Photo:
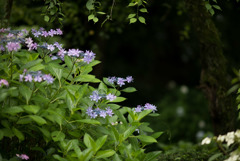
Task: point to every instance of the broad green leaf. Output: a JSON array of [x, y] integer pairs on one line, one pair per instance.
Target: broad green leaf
[[212, 12], [13, 110], [208, 6], [129, 131], [132, 4], [102, 87], [39, 120], [87, 78], [46, 18], [45, 132], [90, 17], [143, 114], [215, 156], [7, 132], [31, 108], [157, 134], [31, 64], [56, 156], [129, 89], [68, 61], [131, 15], [70, 102], [105, 153], [80, 93], [88, 141], [25, 92], [119, 99], [100, 142], [95, 19], [90, 5], [57, 72], [120, 116], [143, 10], [89, 121], [58, 136], [217, 7], [132, 20], [152, 155], [116, 157], [87, 154], [24, 121], [37, 67], [142, 19], [146, 139], [18, 133]]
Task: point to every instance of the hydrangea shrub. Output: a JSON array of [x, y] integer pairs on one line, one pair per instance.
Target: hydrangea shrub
[[50, 111]]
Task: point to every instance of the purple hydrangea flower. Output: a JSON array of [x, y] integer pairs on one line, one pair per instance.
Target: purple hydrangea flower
[[13, 46], [61, 53], [59, 32], [51, 32], [22, 156], [50, 47], [111, 97], [95, 97], [48, 78], [28, 41], [4, 82], [121, 82], [28, 78], [44, 33], [149, 106], [109, 111], [2, 48], [88, 56], [21, 77], [89, 111], [138, 109], [111, 80], [74, 52], [103, 113], [129, 79], [59, 46], [10, 35], [37, 34], [38, 78]]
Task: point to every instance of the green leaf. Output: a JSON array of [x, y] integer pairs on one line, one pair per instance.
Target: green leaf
[[157, 134], [215, 156], [105, 153], [129, 90], [143, 10], [100, 142], [90, 17], [18, 133], [101, 13], [31, 64], [90, 5], [152, 155], [142, 19], [13, 110], [37, 67], [143, 114], [46, 18], [57, 72], [217, 7], [132, 20], [57, 136], [88, 141], [89, 121], [25, 92], [131, 15], [146, 139], [119, 99], [31, 108], [95, 19], [87, 78], [55, 156], [212, 12], [132, 4], [24, 121], [208, 6], [39, 120], [129, 131]]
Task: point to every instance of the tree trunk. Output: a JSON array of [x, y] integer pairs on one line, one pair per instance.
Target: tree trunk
[[214, 74], [5, 12]]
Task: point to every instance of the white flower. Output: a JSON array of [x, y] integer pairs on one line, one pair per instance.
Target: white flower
[[230, 138], [237, 133], [221, 138], [206, 140], [233, 158]]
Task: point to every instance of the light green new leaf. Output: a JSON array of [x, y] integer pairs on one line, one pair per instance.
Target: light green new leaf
[[143, 114], [55, 156], [87, 78], [129, 131], [105, 153], [131, 15], [90, 5], [208, 6], [217, 7], [146, 139], [89, 121], [13, 110], [142, 19], [129, 90], [132, 20], [88, 141], [143, 10], [31, 108], [46, 18], [90, 17], [39, 120], [18, 133], [95, 19], [31, 64], [119, 99], [58, 136], [57, 72], [152, 155], [100, 142]]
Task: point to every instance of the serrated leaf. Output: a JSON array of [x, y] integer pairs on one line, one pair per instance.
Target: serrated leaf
[[142, 19], [132, 20], [146, 139], [143, 10], [129, 90], [105, 153], [131, 15], [31, 108], [39, 120]]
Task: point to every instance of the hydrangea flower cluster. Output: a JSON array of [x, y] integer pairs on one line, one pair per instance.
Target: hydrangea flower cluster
[[22, 156], [147, 106], [95, 96], [120, 81], [36, 77], [3, 82], [44, 33], [93, 113]]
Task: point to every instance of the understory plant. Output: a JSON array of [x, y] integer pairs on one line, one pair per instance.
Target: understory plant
[[51, 108]]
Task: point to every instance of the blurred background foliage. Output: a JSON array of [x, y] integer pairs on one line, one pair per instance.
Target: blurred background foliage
[[162, 56]]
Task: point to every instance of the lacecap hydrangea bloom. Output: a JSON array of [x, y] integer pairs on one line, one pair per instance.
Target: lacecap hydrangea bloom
[[147, 106], [120, 81], [35, 77], [93, 113]]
